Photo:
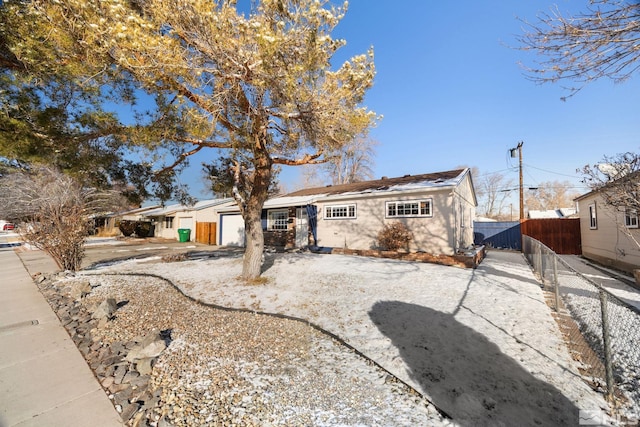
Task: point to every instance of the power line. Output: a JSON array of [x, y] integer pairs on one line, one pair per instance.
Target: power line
[[548, 171]]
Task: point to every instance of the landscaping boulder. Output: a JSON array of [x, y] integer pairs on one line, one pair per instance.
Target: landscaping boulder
[[80, 289], [152, 345], [105, 310]]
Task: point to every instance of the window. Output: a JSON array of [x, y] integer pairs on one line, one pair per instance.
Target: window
[[410, 208], [340, 211], [278, 220], [631, 218], [593, 218], [168, 222]]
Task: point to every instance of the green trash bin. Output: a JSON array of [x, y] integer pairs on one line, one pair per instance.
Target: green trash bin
[[184, 234]]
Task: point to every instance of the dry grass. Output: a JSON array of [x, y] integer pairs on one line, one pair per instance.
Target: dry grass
[[107, 232]]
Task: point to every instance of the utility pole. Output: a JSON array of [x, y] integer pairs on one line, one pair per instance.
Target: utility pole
[[513, 154]]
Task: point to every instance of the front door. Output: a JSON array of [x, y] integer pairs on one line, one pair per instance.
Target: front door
[[302, 228]]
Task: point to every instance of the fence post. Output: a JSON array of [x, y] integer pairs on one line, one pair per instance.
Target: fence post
[[606, 344], [556, 283], [539, 262]]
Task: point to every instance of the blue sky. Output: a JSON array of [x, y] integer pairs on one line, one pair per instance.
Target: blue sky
[[452, 93]]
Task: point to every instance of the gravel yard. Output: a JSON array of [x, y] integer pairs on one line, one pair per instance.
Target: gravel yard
[[239, 368], [480, 344]]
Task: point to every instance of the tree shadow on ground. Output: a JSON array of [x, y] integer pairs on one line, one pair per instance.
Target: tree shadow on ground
[[465, 374]]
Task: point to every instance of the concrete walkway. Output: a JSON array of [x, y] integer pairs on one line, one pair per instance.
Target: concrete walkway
[[616, 283], [44, 380]]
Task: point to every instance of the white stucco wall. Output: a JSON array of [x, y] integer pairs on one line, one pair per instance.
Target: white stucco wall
[[206, 215]]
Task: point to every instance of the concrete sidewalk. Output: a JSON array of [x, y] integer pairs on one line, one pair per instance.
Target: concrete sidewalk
[[44, 380]]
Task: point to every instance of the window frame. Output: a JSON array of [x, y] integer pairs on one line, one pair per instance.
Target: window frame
[[277, 224], [418, 202], [631, 218], [351, 211], [593, 217], [168, 222]]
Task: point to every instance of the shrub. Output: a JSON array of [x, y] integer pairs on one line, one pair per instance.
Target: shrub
[[54, 210], [127, 227], [394, 236], [144, 229]]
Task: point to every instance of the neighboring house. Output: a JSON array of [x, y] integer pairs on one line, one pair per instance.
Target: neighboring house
[[167, 220], [553, 213], [108, 223], [438, 208], [608, 233], [485, 219]]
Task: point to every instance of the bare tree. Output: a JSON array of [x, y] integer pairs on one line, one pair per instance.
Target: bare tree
[[353, 162], [600, 42], [493, 191], [552, 195], [617, 178], [53, 212]]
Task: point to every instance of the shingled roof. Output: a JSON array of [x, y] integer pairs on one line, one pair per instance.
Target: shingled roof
[[381, 184]]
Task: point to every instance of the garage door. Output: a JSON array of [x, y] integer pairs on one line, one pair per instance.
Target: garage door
[[231, 230], [187, 222]]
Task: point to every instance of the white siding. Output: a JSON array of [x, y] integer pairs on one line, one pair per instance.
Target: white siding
[[432, 234], [609, 243]]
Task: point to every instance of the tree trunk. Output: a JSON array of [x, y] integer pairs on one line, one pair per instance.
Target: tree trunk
[[252, 262]]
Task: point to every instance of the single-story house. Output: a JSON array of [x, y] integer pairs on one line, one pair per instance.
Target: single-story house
[[610, 235], [169, 219], [107, 223], [438, 209]]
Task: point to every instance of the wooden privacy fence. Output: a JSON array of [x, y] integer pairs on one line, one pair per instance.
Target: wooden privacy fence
[[560, 235], [206, 233]]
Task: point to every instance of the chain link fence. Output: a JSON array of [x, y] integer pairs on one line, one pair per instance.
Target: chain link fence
[[610, 326]]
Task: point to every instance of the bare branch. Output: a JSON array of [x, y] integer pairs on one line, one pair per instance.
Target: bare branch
[[602, 42]]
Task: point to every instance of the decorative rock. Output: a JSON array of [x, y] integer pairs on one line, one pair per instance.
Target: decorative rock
[[145, 365], [117, 348], [116, 388], [107, 382], [119, 374], [122, 397], [130, 376], [141, 396], [80, 289], [152, 345], [103, 322], [112, 360], [105, 309], [109, 370], [141, 383], [139, 420]]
